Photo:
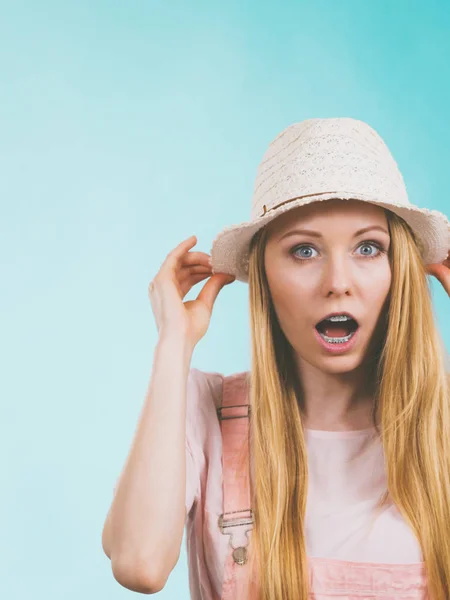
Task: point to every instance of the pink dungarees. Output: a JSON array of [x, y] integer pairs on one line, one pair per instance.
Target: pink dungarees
[[328, 578]]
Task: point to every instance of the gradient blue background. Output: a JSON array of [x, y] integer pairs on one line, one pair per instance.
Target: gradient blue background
[[125, 127]]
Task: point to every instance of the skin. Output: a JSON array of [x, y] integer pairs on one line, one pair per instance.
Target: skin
[[442, 273], [334, 273]]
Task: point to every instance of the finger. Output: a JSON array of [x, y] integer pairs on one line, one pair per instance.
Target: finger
[[446, 261], [195, 258], [187, 274], [187, 284], [212, 287], [179, 251], [442, 274], [186, 270]]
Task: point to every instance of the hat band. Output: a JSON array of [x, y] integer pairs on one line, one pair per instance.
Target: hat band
[[266, 210]]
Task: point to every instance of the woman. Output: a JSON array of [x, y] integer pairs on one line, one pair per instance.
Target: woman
[[348, 443]]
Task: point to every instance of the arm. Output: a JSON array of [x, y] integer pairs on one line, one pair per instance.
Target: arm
[[143, 531], [144, 528]]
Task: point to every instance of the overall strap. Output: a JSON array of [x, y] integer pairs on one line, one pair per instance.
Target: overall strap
[[237, 517]]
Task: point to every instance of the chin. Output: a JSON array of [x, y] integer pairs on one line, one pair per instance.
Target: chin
[[339, 363]]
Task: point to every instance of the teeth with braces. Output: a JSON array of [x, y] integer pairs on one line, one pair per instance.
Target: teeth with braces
[[339, 318], [337, 340]]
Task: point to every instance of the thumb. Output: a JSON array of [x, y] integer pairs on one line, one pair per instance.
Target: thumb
[[212, 287]]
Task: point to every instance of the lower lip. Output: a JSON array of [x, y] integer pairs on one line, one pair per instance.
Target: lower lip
[[337, 348]]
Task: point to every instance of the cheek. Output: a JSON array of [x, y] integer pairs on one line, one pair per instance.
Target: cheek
[[289, 295], [377, 286], [288, 282]]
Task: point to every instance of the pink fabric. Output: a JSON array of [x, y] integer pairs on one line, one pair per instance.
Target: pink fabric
[[237, 514], [353, 552]]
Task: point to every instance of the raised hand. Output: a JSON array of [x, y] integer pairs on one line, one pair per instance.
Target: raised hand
[[180, 271], [442, 272]]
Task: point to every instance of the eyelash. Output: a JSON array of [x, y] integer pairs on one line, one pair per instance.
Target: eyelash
[[380, 248]]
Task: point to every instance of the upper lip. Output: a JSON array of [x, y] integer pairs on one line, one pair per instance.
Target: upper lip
[[347, 314]]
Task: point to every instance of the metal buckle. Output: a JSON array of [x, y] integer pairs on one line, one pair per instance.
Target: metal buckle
[[225, 522], [240, 555], [221, 408]]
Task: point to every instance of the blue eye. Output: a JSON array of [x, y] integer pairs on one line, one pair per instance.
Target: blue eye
[[374, 245], [304, 247], [308, 248]]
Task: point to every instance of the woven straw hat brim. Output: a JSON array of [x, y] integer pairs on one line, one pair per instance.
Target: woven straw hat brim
[[229, 252]]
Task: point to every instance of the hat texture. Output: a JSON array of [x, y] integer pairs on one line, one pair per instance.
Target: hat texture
[[320, 159]]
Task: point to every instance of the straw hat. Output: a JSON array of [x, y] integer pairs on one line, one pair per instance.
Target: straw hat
[[320, 159]]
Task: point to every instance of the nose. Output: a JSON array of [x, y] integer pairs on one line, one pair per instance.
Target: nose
[[337, 276]]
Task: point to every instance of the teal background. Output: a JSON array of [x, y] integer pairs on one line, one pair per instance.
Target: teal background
[[125, 127]]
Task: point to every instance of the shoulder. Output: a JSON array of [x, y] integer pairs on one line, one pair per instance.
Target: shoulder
[[205, 388], [237, 383]]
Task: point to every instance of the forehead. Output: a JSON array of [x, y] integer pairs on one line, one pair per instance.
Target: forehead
[[325, 212]]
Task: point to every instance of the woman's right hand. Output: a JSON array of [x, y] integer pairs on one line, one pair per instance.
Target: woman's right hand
[[180, 271]]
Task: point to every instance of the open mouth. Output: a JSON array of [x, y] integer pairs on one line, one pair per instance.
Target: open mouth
[[337, 331]]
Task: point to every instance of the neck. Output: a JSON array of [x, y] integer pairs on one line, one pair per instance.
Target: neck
[[335, 401]]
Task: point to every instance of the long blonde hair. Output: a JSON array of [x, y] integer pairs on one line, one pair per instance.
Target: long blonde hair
[[411, 408]]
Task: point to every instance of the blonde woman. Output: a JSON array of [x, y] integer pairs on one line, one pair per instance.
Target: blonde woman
[[324, 471]]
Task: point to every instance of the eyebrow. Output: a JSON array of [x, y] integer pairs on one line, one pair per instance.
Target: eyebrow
[[319, 235]]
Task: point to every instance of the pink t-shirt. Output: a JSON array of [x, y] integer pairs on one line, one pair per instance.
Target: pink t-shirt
[[346, 480]]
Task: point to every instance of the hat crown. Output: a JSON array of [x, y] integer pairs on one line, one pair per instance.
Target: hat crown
[[323, 159], [323, 155]]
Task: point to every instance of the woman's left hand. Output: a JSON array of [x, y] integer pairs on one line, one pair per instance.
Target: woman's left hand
[[442, 272]]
